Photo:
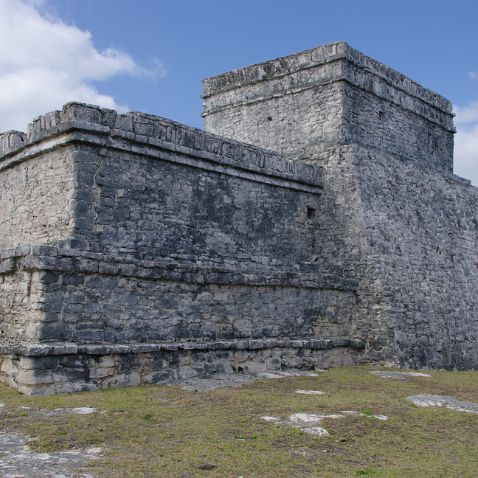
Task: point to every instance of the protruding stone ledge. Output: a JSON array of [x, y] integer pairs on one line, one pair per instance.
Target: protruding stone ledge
[[326, 54], [192, 270], [46, 349], [145, 134], [42, 369]]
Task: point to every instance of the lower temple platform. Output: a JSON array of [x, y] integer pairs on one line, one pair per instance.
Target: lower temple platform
[[43, 369]]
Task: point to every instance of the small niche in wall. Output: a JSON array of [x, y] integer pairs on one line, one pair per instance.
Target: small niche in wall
[[381, 115], [311, 213]]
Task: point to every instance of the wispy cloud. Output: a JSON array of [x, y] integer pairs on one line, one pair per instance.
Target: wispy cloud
[[45, 63], [473, 75], [466, 141], [154, 71], [466, 115]]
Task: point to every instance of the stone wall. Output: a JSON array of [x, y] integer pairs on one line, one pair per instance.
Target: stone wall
[[139, 205], [174, 235], [391, 127], [423, 228], [36, 198], [43, 370], [95, 298], [20, 309], [392, 215], [409, 237], [304, 103]]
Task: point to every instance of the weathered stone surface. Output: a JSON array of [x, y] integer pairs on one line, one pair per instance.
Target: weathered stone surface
[[312, 100], [174, 248], [397, 375], [17, 460], [215, 382], [310, 392], [90, 368], [301, 420], [440, 401], [134, 249], [392, 215]]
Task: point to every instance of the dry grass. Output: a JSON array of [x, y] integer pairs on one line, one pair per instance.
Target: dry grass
[[162, 431]]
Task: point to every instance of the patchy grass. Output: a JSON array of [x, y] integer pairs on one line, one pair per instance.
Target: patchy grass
[[163, 431]]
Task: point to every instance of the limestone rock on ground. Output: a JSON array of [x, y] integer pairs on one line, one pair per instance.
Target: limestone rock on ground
[[398, 375], [63, 411], [18, 461], [316, 431], [436, 401], [301, 420]]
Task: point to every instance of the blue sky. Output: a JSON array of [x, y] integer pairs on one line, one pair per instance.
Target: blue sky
[[434, 42], [151, 56]]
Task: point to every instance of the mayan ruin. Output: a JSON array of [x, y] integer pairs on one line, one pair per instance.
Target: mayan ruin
[[316, 221]]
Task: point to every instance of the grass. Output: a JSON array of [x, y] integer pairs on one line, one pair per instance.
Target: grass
[[163, 431]]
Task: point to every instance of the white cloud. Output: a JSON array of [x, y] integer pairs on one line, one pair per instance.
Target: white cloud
[[466, 115], [466, 141], [473, 75], [45, 63]]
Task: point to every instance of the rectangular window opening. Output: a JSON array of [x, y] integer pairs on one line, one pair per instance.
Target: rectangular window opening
[[311, 213]]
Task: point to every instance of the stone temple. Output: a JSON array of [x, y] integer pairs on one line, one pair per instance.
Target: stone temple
[[315, 222]]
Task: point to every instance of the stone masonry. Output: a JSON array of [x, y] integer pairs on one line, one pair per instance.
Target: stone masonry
[[134, 249], [392, 215]]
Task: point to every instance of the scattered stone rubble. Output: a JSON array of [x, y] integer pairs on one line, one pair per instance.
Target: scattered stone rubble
[[301, 420]]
